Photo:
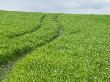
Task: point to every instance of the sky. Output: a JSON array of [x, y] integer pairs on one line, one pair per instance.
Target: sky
[[58, 6]]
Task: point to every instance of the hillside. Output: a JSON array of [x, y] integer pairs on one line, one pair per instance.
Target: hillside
[[43, 47]]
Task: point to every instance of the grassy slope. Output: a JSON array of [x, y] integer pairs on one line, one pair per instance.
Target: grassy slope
[[67, 48]]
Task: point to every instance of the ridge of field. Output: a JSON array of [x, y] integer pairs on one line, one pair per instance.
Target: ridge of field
[[66, 48]]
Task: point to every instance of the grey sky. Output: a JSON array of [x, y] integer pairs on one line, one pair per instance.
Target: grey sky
[[63, 6]]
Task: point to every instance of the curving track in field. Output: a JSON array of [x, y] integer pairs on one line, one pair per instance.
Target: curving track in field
[[4, 68], [38, 26]]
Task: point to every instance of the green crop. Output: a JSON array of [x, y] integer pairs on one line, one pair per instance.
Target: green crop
[[54, 47]]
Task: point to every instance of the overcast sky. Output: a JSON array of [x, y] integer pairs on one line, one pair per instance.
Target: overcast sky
[[63, 6]]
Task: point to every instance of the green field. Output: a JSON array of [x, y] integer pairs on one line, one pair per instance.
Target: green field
[[44, 47]]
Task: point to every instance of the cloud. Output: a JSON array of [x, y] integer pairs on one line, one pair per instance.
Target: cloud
[[65, 6]]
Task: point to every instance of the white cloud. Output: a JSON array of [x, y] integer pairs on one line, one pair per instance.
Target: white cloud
[[66, 6]]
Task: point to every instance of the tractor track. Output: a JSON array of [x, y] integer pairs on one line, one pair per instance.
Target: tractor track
[[37, 27], [5, 68]]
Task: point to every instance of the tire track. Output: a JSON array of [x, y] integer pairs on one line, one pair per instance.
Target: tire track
[[38, 26], [5, 68]]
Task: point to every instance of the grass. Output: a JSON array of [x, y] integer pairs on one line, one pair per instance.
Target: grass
[[54, 47]]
